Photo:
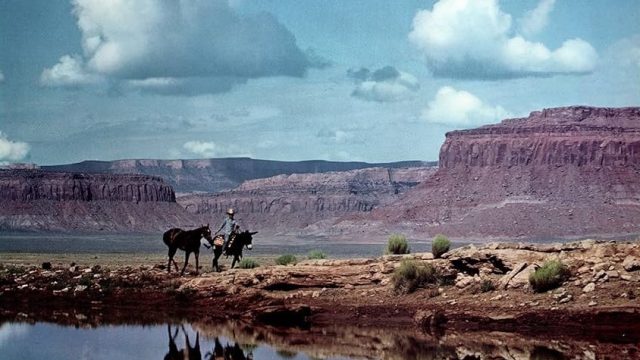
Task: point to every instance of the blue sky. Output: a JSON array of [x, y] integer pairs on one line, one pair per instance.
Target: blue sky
[[294, 80]]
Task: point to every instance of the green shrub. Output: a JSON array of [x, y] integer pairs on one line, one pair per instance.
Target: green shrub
[[316, 254], [487, 285], [397, 244], [551, 275], [411, 275], [440, 245], [248, 263], [286, 259]]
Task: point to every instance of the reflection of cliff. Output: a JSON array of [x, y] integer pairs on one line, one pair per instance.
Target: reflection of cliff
[[368, 343], [37, 200], [565, 171], [287, 202]]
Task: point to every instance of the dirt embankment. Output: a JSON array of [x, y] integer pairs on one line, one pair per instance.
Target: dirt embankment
[[599, 298]]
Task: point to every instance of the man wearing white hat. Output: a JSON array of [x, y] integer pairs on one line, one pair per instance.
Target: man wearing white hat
[[229, 225]]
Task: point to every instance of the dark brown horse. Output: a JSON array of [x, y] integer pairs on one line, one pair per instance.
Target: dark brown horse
[[187, 241], [241, 241], [189, 352]]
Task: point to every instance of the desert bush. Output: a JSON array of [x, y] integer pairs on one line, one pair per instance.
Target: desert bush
[[551, 275], [397, 244], [487, 285], [411, 275], [316, 254], [440, 245], [286, 259], [248, 263]]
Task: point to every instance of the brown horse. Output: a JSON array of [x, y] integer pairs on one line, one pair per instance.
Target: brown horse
[[241, 240], [186, 240]]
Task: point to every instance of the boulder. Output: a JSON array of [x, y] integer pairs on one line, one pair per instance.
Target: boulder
[[631, 263]]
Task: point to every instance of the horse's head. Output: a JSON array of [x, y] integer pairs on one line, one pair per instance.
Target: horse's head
[[246, 238], [205, 232]]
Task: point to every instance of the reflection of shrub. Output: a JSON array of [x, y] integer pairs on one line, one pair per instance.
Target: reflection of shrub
[[316, 254], [551, 275], [286, 259], [248, 263], [86, 280], [286, 354], [411, 275], [397, 244], [440, 245]]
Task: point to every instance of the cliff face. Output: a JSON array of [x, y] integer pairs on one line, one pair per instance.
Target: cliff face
[[214, 175], [571, 171], [25, 185], [34, 200], [291, 202]]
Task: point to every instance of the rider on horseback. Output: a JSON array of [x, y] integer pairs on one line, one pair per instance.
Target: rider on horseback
[[229, 225]]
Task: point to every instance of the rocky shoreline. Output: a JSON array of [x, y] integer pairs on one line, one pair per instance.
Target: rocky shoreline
[[599, 297]]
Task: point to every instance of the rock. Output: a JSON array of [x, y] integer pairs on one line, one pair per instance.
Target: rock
[[565, 299], [631, 263], [46, 265], [589, 288], [464, 281], [504, 281], [612, 274], [593, 303], [429, 319], [80, 288]]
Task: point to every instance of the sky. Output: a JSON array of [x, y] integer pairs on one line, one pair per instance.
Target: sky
[[357, 80]]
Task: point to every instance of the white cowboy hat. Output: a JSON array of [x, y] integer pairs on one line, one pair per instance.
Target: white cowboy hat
[[230, 211]]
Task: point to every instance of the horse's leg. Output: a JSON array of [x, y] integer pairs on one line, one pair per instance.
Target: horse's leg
[[233, 263], [216, 257], [197, 253], [172, 252], [186, 261]]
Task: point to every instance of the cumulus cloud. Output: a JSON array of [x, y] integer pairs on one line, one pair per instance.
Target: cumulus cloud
[[11, 151], [472, 40], [537, 19], [626, 52], [162, 45], [69, 71], [386, 84], [201, 148], [461, 108]]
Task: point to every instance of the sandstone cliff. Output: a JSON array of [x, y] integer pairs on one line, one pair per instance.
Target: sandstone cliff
[[571, 171], [214, 175], [291, 202], [34, 200]]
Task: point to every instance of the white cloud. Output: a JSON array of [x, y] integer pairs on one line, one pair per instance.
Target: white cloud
[[12, 150], [69, 71], [383, 85], [625, 52], [461, 108], [11, 332], [162, 45], [537, 19], [471, 39], [201, 148], [337, 136]]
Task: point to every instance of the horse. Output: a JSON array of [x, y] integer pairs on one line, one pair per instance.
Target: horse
[[188, 352], [240, 241], [186, 240]]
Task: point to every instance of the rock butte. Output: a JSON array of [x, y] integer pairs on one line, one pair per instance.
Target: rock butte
[[571, 171], [37, 200]]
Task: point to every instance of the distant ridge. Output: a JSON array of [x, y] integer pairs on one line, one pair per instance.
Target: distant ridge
[[215, 175]]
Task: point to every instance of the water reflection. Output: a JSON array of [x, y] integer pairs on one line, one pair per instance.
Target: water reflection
[[242, 341]]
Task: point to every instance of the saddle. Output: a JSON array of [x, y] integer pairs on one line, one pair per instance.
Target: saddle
[[218, 240]]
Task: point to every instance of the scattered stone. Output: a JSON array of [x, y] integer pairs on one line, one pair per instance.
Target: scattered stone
[[566, 299], [73, 268], [589, 288], [612, 274], [80, 288], [463, 281], [46, 265], [626, 277], [593, 303], [631, 263]]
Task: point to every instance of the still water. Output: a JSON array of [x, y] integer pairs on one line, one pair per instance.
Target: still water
[[236, 341], [50, 341]]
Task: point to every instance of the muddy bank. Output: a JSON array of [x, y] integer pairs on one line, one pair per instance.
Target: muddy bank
[[598, 298]]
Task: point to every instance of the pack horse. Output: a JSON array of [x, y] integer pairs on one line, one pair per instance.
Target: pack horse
[[187, 241]]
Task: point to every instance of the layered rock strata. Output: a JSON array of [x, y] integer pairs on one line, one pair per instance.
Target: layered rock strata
[[571, 171], [35, 200], [214, 175], [292, 202]]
